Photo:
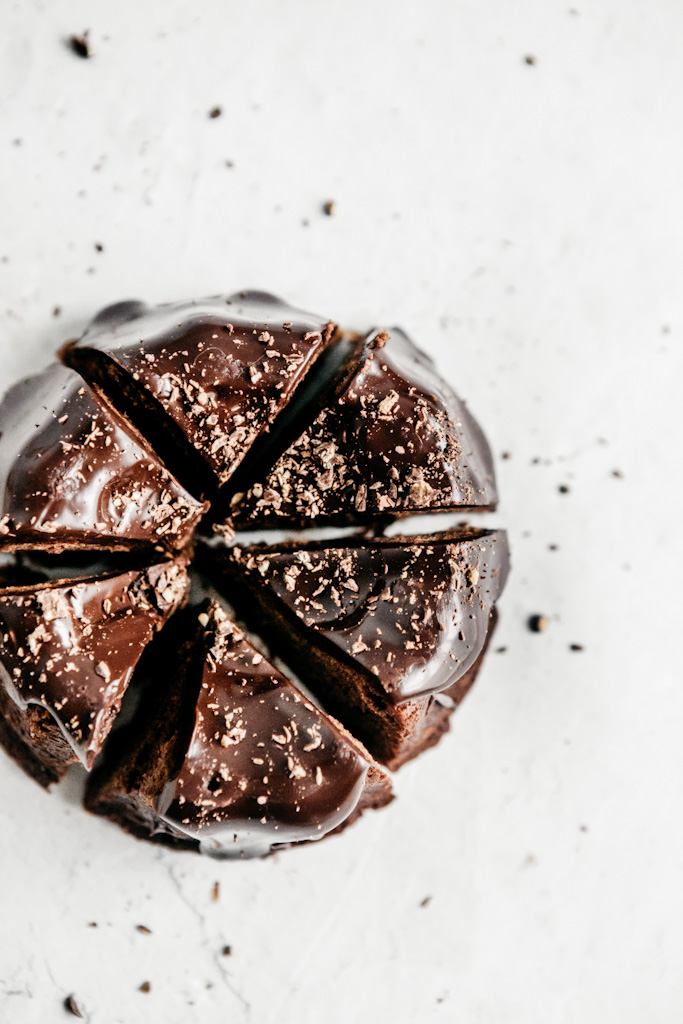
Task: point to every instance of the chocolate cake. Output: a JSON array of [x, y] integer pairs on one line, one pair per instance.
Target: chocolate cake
[[230, 757], [74, 474], [243, 408], [374, 626], [67, 654], [203, 380], [393, 441]]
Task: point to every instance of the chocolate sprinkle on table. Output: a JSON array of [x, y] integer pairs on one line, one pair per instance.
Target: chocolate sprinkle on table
[[72, 1006], [80, 45]]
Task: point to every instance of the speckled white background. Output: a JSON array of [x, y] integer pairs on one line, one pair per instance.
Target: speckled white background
[[524, 222]]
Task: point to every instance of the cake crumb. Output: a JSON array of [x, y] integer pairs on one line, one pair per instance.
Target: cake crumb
[[80, 45], [537, 623], [72, 1006]]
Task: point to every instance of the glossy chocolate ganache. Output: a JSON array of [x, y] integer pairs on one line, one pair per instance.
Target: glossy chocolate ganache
[[375, 625], [235, 760], [123, 474], [75, 474], [214, 373], [394, 441]]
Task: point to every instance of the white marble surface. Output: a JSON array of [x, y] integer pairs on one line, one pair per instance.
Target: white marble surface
[[524, 222]]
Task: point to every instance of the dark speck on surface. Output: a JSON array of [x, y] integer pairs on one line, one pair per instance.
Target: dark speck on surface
[[576, 647], [618, 474], [99, 247], [426, 901], [505, 455], [501, 650], [80, 45], [226, 951], [530, 59], [146, 986], [215, 112], [57, 310], [72, 1006], [329, 208], [537, 623], [563, 489], [143, 929]]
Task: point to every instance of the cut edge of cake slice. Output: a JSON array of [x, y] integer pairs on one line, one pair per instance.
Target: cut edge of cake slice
[[193, 451], [68, 651], [214, 760], [392, 440], [358, 658]]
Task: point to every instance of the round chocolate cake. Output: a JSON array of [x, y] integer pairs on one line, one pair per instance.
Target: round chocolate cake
[[228, 697]]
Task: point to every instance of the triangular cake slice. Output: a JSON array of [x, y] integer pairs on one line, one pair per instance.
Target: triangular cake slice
[[68, 649], [394, 440], [229, 757], [377, 628], [203, 380], [75, 474]]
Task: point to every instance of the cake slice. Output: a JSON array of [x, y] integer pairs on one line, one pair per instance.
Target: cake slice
[[393, 441], [202, 380], [228, 756], [68, 649], [74, 474], [378, 628]]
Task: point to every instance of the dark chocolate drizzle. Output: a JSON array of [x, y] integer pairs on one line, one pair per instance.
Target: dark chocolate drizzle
[[395, 441], [72, 473]]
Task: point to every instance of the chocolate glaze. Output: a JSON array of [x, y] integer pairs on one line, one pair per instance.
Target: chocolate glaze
[[220, 368], [263, 767], [71, 647], [411, 611], [395, 441], [73, 473]]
